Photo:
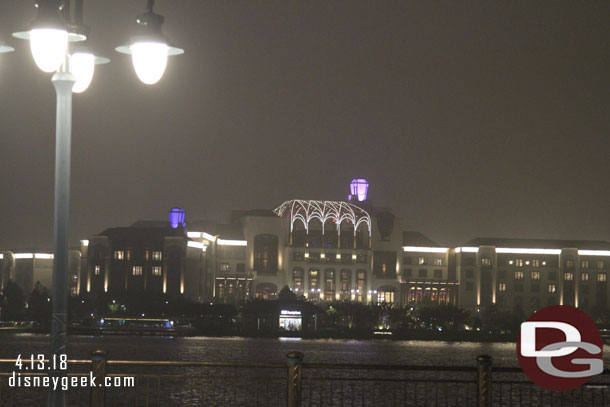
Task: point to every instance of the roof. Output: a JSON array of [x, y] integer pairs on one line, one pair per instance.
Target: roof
[[232, 231], [337, 211], [143, 232], [539, 243], [412, 238]]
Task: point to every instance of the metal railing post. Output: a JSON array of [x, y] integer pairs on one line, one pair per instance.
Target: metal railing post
[[295, 365], [98, 367], [484, 380]]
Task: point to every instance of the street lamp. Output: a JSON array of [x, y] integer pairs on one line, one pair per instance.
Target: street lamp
[[54, 27], [149, 48]]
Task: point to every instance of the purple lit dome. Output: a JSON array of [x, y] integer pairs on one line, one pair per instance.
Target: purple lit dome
[[176, 217], [358, 188]]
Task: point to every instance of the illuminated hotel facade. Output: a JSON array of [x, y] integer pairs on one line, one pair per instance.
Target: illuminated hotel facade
[[325, 251]]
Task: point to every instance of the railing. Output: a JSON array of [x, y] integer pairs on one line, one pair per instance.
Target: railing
[[298, 384]]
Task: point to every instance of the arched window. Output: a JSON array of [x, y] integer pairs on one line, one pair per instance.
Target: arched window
[[297, 280], [314, 281], [329, 284], [360, 285], [265, 254], [345, 285]]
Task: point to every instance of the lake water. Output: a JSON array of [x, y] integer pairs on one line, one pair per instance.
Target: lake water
[[233, 349]]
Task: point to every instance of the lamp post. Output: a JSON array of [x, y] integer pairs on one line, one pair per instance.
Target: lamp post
[[58, 23]]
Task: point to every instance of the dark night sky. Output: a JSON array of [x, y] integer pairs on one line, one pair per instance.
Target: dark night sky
[[468, 118]]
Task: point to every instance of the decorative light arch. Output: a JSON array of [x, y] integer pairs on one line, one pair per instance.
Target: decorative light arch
[[305, 211]]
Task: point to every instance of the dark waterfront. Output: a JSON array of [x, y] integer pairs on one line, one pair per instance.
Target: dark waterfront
[[234, 349]]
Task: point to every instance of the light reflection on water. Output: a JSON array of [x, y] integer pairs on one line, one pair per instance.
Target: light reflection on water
[[237, 349]]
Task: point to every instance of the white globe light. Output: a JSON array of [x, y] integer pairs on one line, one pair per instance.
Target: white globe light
[[149, 60], [82, 65], [48, 47]]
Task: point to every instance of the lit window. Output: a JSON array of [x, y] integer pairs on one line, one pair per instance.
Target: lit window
[[584, 264], [147, 255], [502, 287], [421, 260], [438, 261], [98, 270], [584, 276], [136, 270], [600, 264], [518, 275], [157, 255], [157, 270], [552, 288], [536, 263], [119, 255], [486, 261], [225, 267], [601, 277], [535, 275], [569, 264], [519, 262], [385, 296], [568, 276]]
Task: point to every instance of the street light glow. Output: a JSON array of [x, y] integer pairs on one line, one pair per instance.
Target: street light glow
[[82, 67], [49, 46], [149, 61]]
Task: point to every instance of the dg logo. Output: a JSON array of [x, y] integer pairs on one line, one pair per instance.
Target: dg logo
[[560, 348]]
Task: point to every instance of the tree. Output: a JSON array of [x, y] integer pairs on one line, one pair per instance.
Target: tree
[[14, 302], [39, 305]]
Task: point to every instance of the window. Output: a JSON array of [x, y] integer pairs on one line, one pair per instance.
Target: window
[[157, 255], [535, 275], [438, 273], [119, 255], [569, 264], [98, 270], [518, 275], [136, 270], [345, 284], [147, 255], [265, 254], [314, 280], [225, 267], [329, 285], [469, 286], [360, 285], [584, 277], [584, 264], [519, 262], [551, 288], [157, 270], [601, 277], [469, 273], [297, 280], [422, 273], [485, 261], [502, 287], [421, 260], [362, 258], [536, 263], [385, 294], [568, 276], [438, 261], [600, 264], [128, 255]]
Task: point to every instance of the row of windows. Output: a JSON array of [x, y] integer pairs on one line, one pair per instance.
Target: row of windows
[[315, 257], [435, 261], [148, 255], [551, 288], [422, 273], [135, 270], [585, 264], [226, 267]]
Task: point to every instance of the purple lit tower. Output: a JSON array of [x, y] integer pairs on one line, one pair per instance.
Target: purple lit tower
[[358, 188], [176, 217]]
